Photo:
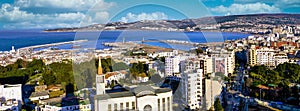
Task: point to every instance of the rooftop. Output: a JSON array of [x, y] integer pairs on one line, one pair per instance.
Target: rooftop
[[136, 91], [37, 94]]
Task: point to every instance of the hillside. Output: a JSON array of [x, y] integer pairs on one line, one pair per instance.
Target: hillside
[[224, 23]]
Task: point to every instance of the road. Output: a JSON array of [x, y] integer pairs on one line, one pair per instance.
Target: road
[[236, 94], [233, 96]]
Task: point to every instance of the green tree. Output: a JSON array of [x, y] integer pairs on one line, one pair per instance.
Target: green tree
[[49, 78], [217, 105], [120, 66], [21, 63], [199, 51], [112, 84], [36, 64], [139, 70]]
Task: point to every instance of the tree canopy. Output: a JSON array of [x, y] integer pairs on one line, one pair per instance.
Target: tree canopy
[[139, 70], [120, 66], [20, 71], [217, 105], [282, 74]]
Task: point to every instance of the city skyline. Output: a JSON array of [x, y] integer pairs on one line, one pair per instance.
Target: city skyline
[[28, 14]]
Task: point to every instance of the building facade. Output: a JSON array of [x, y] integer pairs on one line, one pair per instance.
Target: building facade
[[265, 56], [223, 61], [192, 88], [11, 97], [251, 56], [11, 92], [280, 58], [142, 98], [172, 65], [213, 90]]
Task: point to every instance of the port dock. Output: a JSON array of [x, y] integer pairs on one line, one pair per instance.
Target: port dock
[[29, 49]]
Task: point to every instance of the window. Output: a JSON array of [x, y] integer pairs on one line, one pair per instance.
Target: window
[[164, 104], [121, 106], [168, 104], [133, 105], [115, 106], [109, 107], [147, 108], [158, 104], [127, 105]]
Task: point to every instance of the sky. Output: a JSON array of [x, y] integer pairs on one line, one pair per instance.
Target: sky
[[45, 14]]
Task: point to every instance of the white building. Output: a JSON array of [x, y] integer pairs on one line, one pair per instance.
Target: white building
[[207, 64], [213, 90], [251, 55], [172, 65], [140, 98], [164, 54], [10, 105], [265, 56], [280, 58], [223, 61], [203, 62], [11, 92], [116, 76], [11, 97], [192, 88], [39, 95], [12, 49], [79, 107]]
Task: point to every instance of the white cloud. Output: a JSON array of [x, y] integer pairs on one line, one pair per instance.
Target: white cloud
[[245, 9], [282, 4], [77, 5], [101, 17], [13, 17], [253, 1], [287, 3], [130, 17]]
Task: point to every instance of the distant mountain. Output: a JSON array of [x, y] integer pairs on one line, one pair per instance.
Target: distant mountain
[[231, 23]]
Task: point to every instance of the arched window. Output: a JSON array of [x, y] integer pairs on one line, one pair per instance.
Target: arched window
[[147, 108]]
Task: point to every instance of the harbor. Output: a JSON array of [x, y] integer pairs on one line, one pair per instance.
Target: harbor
[[30, 49]]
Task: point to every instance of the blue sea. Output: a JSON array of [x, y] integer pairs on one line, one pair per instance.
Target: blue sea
[[24, 38]]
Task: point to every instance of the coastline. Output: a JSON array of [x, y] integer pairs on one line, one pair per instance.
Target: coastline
[[112, 36], [143, 30]]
